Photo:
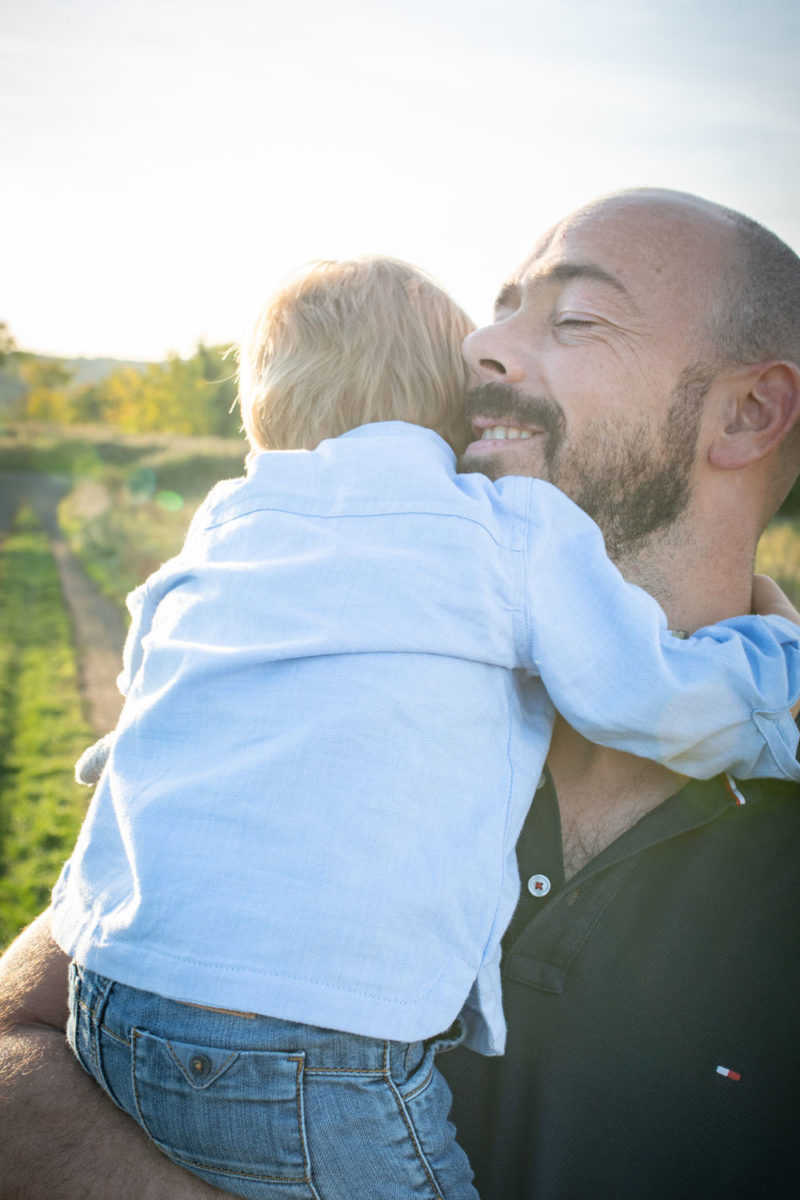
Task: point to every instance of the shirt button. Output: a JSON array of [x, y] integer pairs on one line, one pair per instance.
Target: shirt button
[[542, 781], [538, 885]]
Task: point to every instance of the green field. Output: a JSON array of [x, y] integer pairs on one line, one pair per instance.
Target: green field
[[128, 503], [131, 496], [42, 729]]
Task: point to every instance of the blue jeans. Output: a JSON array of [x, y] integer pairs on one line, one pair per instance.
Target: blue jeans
[[267, 1108]]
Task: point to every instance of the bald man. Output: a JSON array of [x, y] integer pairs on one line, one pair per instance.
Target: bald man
[[647, 349]]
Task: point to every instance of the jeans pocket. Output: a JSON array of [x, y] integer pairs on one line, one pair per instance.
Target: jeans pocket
[[428, 1101], [228, 1112], [419, 1059]]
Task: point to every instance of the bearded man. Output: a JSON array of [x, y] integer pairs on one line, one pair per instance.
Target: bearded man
[[643, 359]]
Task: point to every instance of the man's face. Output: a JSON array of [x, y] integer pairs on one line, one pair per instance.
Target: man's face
[[589, 376]]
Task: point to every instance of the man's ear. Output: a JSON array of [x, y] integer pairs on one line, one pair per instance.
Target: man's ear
[[763, 405]]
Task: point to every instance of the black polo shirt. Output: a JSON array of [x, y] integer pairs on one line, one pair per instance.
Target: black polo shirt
[[652, 1006]]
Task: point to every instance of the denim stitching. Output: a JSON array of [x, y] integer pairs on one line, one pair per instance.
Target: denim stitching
[[190, 1162], [110, 1033], [421, 1086], [102, 1028], [378, 1073], [100, 998], [179, 1065], [301, 1123], [408, 1123]]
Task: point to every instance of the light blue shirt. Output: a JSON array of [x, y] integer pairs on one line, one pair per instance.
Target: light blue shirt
[[334, 726]]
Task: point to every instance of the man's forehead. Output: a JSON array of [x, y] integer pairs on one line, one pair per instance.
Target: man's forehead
[[638, 251], [635, 235]]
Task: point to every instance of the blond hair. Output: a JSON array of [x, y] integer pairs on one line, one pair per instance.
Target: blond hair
[[346, 343]]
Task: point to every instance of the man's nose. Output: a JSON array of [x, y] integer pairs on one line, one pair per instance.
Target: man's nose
[[492, 356]]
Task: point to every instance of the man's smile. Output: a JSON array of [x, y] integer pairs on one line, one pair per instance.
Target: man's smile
[[500, 432], [490, 431]]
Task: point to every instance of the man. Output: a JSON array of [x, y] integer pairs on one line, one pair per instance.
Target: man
[[651, 972], [648, 347]]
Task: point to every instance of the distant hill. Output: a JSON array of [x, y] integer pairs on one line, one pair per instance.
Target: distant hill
[[92, 370], [84, 370]]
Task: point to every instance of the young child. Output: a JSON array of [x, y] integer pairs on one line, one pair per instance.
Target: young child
[[291, 885]]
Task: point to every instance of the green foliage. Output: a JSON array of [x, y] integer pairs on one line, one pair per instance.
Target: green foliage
[[47, 381], [12, 388], [779, 556], [129, 514], [192, 396], [42, 730], [55, 455], [115, 518], [7, 343], [791, 505]]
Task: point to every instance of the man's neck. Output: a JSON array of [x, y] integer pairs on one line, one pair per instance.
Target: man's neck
[[601, 793], [697, 579]]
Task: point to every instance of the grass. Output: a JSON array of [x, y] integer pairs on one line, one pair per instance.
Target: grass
[[42, 729], [132, 496]]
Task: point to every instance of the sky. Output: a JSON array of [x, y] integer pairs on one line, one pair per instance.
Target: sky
[[165, 163]]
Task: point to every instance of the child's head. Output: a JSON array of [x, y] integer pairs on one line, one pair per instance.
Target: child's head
[[346, 343]]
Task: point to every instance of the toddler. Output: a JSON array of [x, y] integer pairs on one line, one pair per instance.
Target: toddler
[[290, 888]]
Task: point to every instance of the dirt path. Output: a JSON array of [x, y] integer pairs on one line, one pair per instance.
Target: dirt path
[[98, 626]]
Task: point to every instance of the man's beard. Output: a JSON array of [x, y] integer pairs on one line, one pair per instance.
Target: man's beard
[[629, 481]]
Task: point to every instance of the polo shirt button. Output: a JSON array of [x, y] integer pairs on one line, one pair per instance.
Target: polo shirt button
[[538, 885], [542, 781]]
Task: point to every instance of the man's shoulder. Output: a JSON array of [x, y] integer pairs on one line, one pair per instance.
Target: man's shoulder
[[767, 795], [758, 837]]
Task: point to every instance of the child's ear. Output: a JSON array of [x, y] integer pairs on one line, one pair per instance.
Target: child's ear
[[762, 406]]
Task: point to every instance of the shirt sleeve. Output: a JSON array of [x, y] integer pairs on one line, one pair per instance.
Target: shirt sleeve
[[716, 701], [143, 601]]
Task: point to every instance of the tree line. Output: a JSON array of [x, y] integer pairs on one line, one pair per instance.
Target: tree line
[[195, 395]]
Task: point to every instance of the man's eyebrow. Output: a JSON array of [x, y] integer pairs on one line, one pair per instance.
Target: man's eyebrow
[[510, 294], [566, 272]]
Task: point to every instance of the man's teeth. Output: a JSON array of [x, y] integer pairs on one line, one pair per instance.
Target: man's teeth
[[499, 433]]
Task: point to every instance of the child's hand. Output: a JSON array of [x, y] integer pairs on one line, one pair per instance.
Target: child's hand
[[89, 766], [770, 600]]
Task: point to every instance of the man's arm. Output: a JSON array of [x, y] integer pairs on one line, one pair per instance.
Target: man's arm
[[59, 1134]]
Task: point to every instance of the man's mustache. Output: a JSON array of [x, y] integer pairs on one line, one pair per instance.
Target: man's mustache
[[504, 403]]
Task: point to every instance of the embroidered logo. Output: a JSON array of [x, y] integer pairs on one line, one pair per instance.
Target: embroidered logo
[[729, 1074]]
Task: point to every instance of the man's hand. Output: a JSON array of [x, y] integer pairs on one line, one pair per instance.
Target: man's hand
[[60, 1137]]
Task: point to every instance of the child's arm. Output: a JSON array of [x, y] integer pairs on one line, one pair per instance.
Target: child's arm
[[769, 600], [716, 701]]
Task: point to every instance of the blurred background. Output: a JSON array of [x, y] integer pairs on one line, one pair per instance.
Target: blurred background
[[166, 164]]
